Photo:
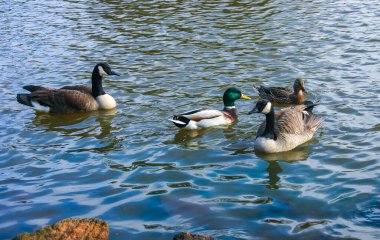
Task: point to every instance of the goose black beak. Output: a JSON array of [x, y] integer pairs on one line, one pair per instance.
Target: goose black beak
[[114, 73], [255, 110]]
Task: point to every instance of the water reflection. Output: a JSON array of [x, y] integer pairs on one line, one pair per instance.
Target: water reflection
[[273, 170], [368, 212], [299, 154], [191, 139], [83, 127], [188, 134], [176, 54], [274, 159], [78, 124], [59, 122], [184, 136]]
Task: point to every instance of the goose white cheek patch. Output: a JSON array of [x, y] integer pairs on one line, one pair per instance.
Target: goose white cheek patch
[[101, 71], [267, 108]]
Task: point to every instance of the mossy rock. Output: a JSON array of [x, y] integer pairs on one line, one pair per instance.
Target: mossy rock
[[191, 236], [70, 229]]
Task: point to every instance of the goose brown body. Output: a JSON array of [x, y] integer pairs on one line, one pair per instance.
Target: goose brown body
[[65, 100], [69, 99], [285, 129]]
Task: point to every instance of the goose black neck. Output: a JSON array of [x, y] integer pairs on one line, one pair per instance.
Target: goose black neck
[[269, 125], [97, 85]]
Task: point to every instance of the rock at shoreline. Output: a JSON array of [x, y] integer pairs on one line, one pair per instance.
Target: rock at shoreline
[[70, 229], [190, 236]]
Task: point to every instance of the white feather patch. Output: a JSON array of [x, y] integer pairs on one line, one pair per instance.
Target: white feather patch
[[207, 113], [192, 125], [267, 108], [213, 122], [105, 101], [266, 145], [177, 121], [37, 106], [285, 143], [102, 72]]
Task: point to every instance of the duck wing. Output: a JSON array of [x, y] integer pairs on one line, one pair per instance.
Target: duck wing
[[32, 88], [311, 121], [201, 114], [81, 88], [64, 100], [291, 122], [280, 91], [200, 118], [298, 120], [275, 94]]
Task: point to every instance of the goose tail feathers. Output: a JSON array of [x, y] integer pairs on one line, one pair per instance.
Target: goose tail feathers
[[314, 122], [309, 106], [32, 88], [24, 99]]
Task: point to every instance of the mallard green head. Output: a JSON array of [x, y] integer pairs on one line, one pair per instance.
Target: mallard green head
[[299, 85], [231, 95]]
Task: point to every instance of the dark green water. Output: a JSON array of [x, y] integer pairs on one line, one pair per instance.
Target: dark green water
[[134, 169]]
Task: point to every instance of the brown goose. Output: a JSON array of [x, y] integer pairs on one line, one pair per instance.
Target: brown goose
[[204, 118], [285, 95], [71, 99], [285, 129]]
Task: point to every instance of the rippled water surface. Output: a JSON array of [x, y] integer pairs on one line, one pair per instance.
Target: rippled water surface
[[134, 169]]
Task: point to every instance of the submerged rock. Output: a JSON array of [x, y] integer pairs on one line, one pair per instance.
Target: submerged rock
[[70, 229], [190, 236]]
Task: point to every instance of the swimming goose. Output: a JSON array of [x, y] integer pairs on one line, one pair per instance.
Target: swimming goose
[[285, 129], [69, 99], [204, 118], [285, 95]]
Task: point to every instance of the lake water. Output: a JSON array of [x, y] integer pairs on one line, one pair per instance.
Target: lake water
[[134, 169]]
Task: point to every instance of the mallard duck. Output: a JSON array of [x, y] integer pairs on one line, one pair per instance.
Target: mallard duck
[[70, 99], [285, 129], [285, 95], [204, 118]]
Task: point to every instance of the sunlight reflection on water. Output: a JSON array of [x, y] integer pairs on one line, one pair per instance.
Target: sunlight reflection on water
[[134, 169]]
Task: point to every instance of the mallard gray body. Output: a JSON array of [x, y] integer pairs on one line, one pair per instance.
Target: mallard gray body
[[204, 118]]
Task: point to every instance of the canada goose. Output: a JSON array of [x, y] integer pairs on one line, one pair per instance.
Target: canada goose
[[285, 95], [285, 129], [204, 118], [69, 99]]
